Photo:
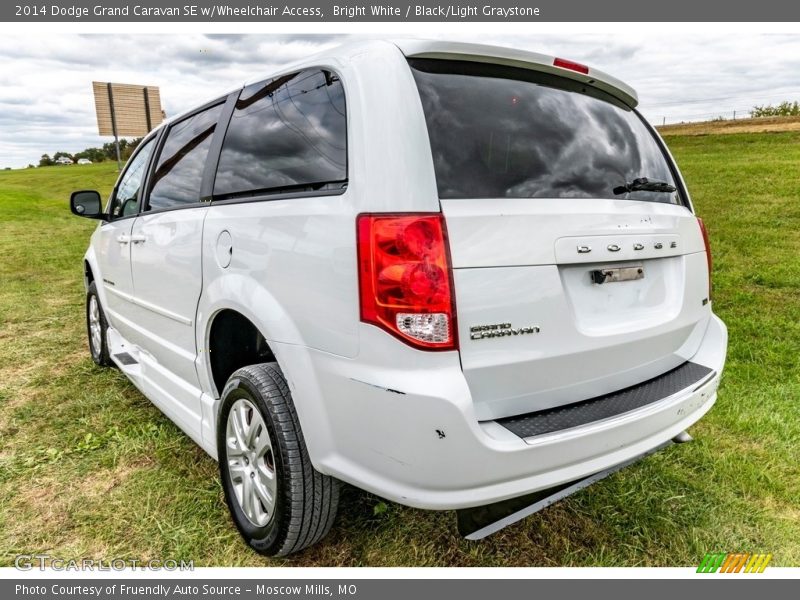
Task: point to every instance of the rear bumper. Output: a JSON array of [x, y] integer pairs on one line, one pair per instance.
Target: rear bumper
[[402, 426]]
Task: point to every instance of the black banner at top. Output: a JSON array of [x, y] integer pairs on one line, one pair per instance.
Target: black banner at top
[[511, 11]]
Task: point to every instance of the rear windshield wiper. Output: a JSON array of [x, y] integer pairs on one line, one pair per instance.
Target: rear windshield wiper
[[643, 184]]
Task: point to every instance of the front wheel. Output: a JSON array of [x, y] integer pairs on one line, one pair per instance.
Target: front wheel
[[96, 328], [279, 503]]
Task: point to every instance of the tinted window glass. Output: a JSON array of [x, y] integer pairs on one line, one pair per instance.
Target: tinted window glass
[[126, 200], [177, 178], [286, 133], [502, 132]]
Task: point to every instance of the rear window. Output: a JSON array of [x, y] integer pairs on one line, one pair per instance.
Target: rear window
[[502, 132]]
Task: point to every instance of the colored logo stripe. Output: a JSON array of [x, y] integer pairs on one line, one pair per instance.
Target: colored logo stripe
[[738, 562]]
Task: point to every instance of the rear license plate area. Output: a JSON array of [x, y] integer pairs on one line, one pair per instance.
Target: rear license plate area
[[601, 276]]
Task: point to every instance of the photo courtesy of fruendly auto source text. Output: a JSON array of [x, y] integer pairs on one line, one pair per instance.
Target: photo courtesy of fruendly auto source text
[[394, 300]]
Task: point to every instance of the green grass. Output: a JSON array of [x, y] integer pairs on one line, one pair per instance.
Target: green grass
[[89, 468]]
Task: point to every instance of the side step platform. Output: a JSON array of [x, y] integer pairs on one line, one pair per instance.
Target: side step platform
[[126, 359], [124, 355]]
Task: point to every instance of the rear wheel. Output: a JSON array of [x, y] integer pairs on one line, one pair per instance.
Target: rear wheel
[[279, 503], [96, 328]]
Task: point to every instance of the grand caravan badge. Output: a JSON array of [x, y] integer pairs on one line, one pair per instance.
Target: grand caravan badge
[[481, 332]]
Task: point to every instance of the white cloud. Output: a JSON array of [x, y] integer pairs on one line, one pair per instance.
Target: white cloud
[[46, 100]]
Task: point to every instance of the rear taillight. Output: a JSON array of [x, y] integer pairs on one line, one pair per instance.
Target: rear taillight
[[708, 251], [405, 281], [571, 65]]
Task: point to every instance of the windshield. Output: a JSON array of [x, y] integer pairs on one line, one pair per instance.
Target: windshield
[[503, 132]]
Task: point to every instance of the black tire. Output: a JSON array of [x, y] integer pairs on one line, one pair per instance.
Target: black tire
[[305, 500], [99, 354]]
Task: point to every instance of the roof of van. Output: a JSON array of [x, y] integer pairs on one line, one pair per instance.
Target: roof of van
[[419, 48]]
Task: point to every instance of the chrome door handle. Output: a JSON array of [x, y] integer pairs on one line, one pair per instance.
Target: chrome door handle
[[138, 239], [123, 238]]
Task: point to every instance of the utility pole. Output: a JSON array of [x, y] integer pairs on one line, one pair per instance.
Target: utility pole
[[147, 109], [114, 125]]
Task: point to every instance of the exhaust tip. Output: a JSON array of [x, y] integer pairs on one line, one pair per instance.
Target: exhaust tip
[[682, 438]]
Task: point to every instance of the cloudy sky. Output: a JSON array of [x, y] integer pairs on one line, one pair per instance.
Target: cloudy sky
[[46, 100]]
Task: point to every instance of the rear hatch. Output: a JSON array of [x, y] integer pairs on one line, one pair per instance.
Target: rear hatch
[[572, 279]]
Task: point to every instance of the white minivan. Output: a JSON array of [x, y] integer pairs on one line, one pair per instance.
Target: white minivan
[[449, 274]]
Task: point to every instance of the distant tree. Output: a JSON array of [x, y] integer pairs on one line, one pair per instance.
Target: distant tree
[[130, 146], [784, 109], [94, 154], [46, 161], [58, 155], [30, 166], [109, 151], [126, 148]]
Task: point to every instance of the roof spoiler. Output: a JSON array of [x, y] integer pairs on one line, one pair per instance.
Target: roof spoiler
[[520, 59]]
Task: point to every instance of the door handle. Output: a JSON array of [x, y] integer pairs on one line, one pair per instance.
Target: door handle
[[138, 239], [123, 238]]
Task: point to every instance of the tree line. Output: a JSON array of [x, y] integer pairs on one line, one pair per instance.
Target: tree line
[[784, 109], [106, 152]]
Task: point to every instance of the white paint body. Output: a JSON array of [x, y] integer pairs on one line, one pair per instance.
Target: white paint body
[[291, 270]]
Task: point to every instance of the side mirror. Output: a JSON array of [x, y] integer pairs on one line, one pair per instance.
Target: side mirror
[[87, 203]]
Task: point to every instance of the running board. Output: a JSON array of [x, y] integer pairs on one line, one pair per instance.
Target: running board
[[481, 521], [124, 355], [125, 359]]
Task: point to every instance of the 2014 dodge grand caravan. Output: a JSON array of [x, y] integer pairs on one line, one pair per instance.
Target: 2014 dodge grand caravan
[[449, 274]]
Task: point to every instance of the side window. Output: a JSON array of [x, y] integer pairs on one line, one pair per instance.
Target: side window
[[287, 133], [126, 201], [179, 173]]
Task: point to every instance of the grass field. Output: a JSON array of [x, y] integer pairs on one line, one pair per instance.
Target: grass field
[[89, 468], [758, 125]]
